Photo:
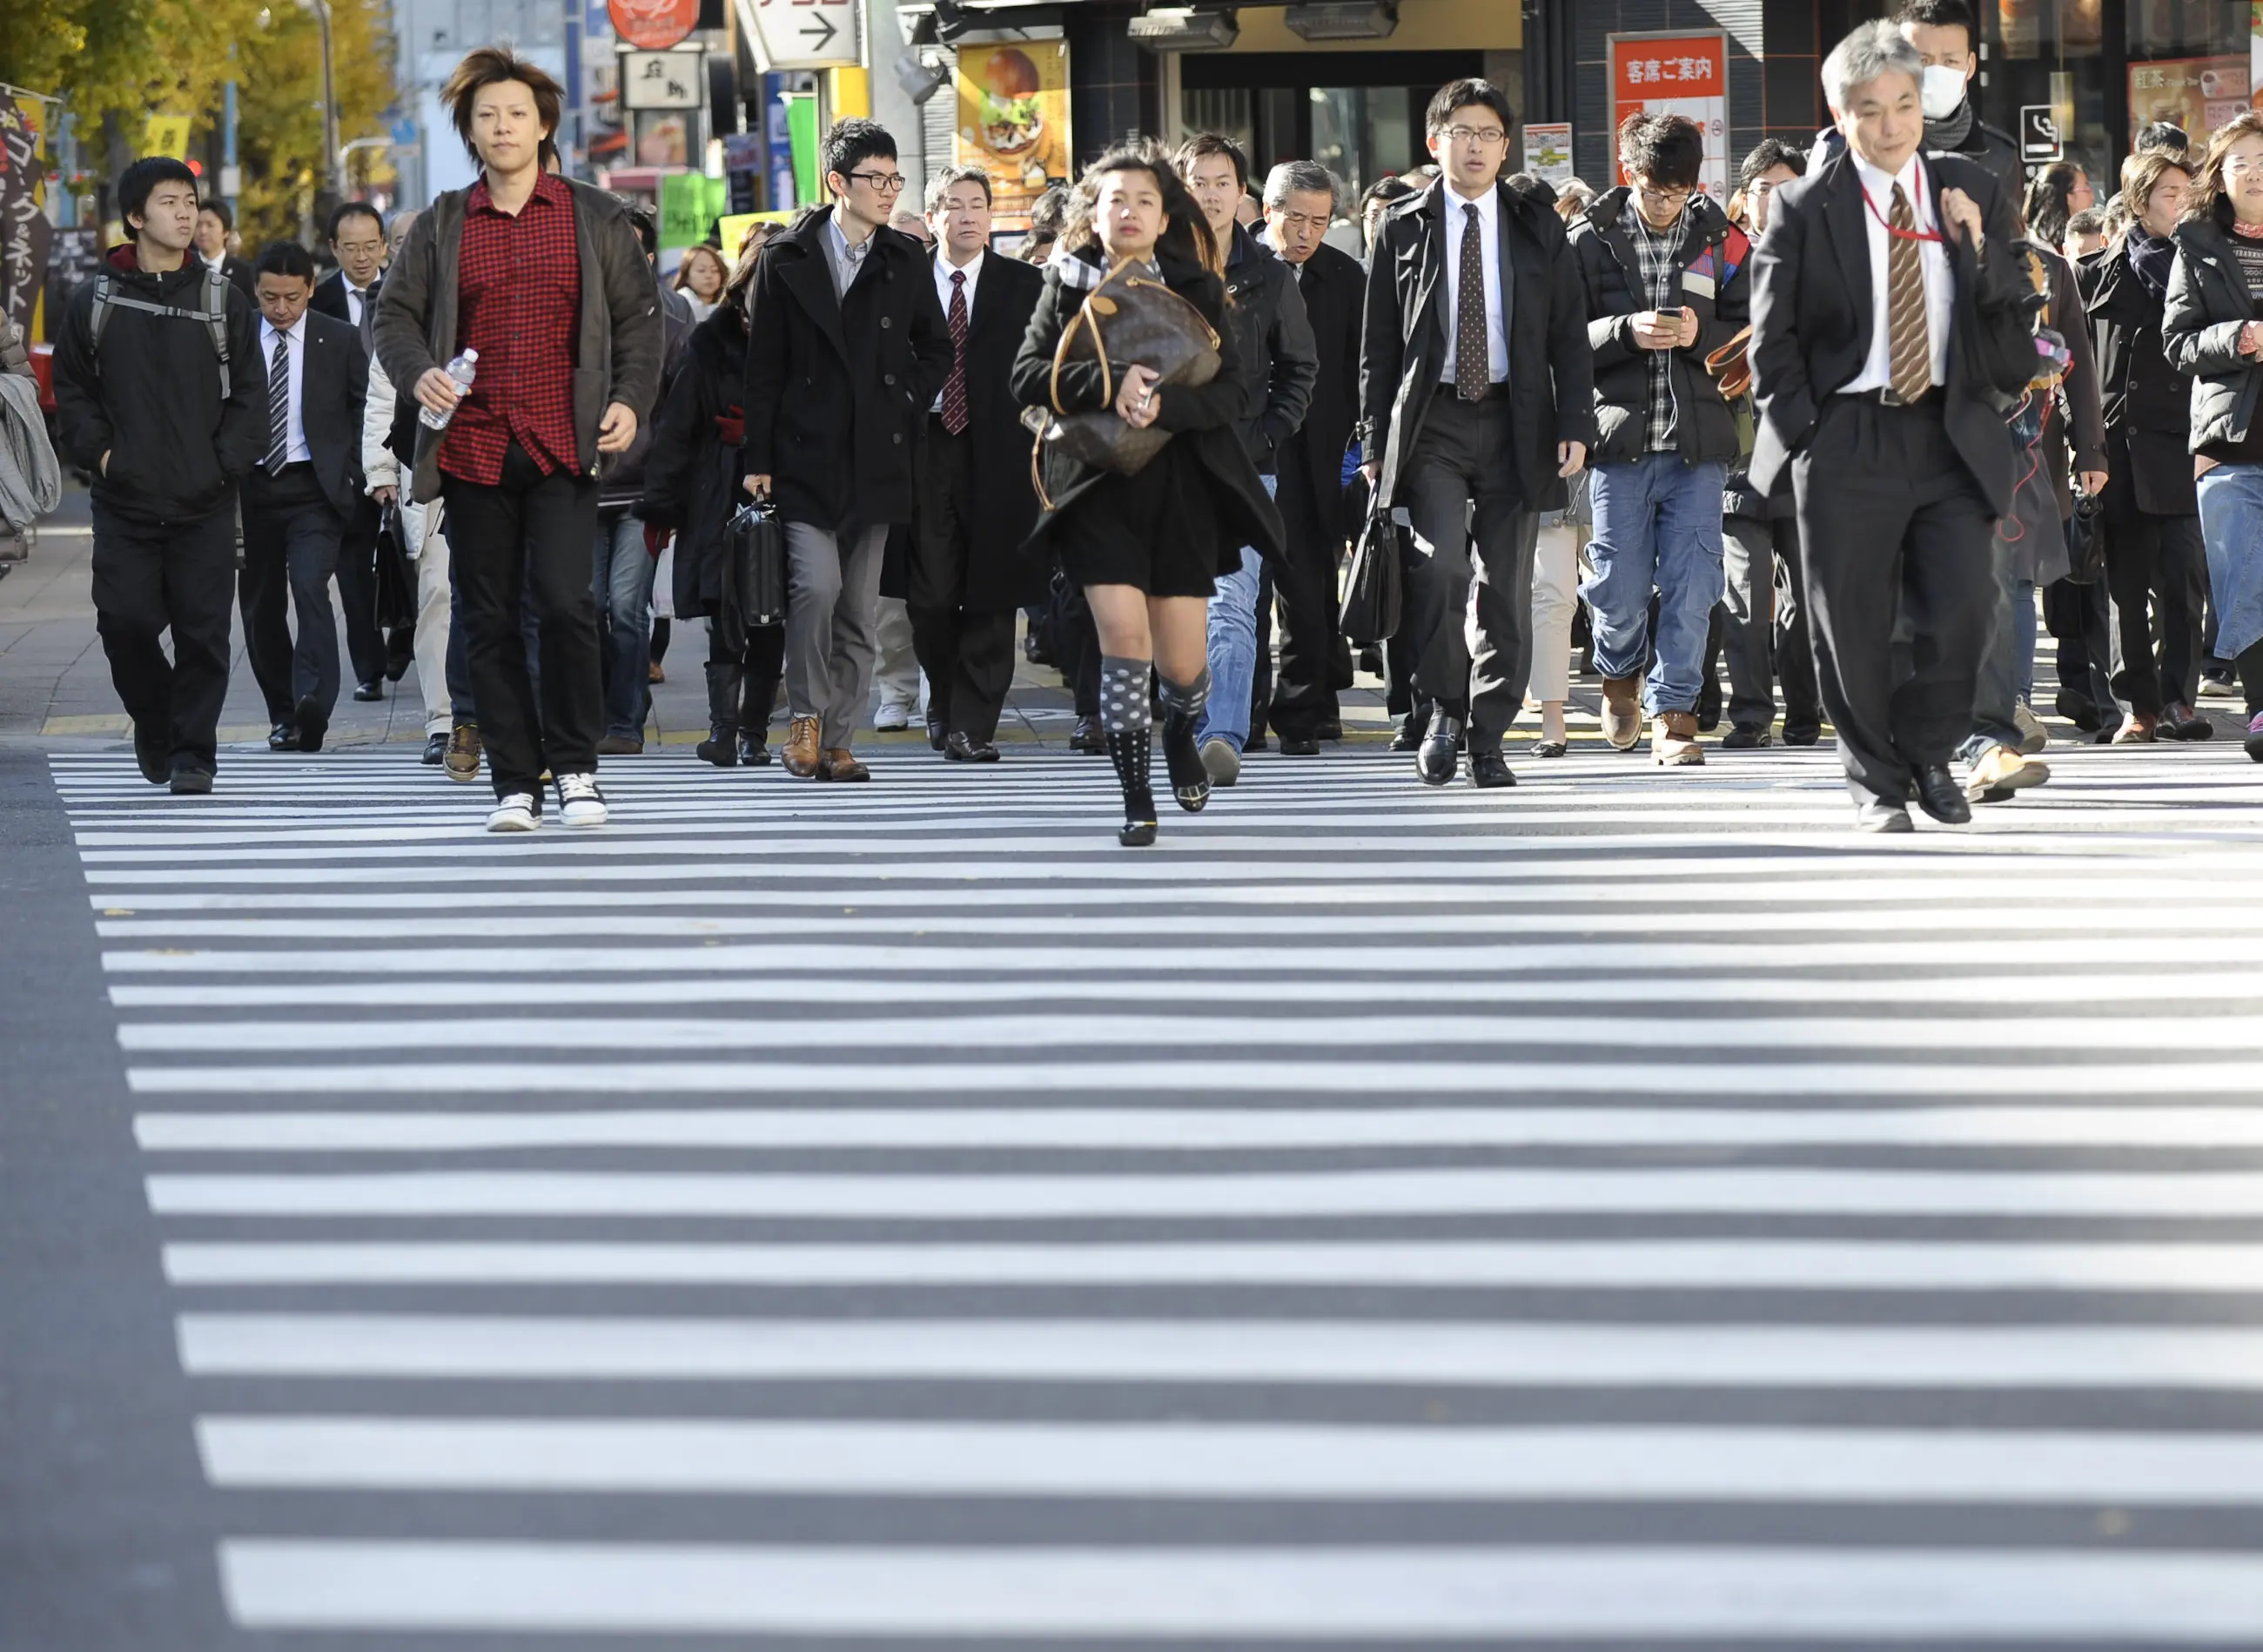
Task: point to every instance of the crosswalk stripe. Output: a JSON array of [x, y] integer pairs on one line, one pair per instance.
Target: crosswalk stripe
[[1338, 1595]]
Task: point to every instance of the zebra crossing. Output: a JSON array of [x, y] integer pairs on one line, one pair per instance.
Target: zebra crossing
[[1627, 1211]]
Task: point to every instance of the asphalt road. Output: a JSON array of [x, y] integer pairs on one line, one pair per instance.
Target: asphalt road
[[1630, 1210]]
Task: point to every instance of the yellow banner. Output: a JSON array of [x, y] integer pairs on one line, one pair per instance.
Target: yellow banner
[[167, 134]]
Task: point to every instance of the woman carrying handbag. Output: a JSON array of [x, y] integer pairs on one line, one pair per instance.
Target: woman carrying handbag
[[1148, 493], [691, 486]]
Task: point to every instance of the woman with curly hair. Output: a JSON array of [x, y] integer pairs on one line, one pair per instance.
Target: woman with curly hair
[[1146, 549]]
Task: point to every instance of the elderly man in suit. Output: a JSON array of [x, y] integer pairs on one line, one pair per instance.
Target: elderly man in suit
[[974, 503], [300, 498], [350, 295], [1476, 396], [1899, 463], [1300, 204]]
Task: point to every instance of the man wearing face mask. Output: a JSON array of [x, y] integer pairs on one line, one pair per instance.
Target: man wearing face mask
[[1944, 34]]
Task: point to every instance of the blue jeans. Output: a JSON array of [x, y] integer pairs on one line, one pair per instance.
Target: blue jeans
[[622, 584], [1233, 647], [2231, 525], [1657, 526]]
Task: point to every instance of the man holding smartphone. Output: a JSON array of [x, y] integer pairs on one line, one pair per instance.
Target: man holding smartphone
[[1664, 272]]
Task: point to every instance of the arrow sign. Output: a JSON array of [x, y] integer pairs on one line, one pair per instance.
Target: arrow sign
[[820, 42], [805, 33]]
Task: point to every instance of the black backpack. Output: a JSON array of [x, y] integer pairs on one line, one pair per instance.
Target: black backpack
[[213, 311]]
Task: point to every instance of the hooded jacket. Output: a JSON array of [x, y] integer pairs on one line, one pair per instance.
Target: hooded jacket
[[150, 398]]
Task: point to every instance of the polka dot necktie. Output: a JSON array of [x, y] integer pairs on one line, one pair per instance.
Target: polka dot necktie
[[954, 388], [1471, 376]]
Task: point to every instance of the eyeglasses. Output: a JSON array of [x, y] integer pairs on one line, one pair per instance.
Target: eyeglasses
[[2243, 164], [887, 183], [1760, 187], [1485, 136], [1663, 197]]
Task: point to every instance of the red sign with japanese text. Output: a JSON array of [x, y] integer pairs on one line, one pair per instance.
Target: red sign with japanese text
[[653, 26], [1677, 74]]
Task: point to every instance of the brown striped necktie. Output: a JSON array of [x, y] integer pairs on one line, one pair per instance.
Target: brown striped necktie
[[1909, 345]]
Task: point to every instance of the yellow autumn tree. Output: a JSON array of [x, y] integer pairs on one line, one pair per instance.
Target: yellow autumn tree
[[280, 105]]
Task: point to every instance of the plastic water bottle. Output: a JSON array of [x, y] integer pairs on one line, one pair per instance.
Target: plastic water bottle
[[460, 370]]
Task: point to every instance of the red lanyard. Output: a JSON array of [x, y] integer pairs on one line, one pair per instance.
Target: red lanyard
[[1906, 235]]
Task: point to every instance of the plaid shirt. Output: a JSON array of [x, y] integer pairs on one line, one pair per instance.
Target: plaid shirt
[[1655, 253], [519, 305]]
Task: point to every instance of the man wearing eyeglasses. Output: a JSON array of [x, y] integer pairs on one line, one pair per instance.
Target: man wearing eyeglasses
[[1664, 272], [1477, 390], [846, 346]]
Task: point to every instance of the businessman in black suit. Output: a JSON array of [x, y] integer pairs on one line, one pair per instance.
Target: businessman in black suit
[[350, 293], [299, 497], [974, 504], [1300, 204], [1899, 465], [1477, 389], [215, 223]]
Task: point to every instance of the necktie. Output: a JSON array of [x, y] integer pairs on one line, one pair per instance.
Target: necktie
[[278, 406], [366, 301], [1909, 346], [1471, 358], [954, 388]]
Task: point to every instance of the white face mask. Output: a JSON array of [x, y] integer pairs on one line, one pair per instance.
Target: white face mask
[[1941, 91]]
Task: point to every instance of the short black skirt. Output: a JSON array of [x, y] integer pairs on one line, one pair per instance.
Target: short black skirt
[[1158, 531]]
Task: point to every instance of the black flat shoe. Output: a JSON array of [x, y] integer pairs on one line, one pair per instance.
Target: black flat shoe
[[958, 749], [191, 781], [153, 755], [1489, 769], [1299, 748], [753, 752], [1939, 795], [1087, 738], [1409, 738], [314, 723], [367, 692], [1189, 777], [1743, 737], [1802, 734], [284, 736]]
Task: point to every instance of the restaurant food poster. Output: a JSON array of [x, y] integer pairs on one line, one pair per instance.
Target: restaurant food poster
[[1013, 122], [1675, 74], [2198, 93]]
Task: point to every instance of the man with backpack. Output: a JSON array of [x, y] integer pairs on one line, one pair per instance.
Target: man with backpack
[[161, 396]]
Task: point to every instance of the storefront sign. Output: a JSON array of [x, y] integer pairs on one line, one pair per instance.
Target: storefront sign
[[653, 26], [2198, 93], [2039, 139], [1677, 75], [1548, 151], [1013, 122], [663, 80], [26, 234]]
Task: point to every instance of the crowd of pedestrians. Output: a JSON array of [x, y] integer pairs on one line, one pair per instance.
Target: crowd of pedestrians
[[1851, 434]]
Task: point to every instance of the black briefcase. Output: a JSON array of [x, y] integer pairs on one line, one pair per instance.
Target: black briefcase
[[754, 573], [1374, 592], [396, 572]]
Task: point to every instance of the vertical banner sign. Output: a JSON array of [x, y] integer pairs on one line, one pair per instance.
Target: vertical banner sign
[[26, 236], [1677, 75], [1013, 122]]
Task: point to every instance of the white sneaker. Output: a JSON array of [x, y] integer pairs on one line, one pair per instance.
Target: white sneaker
[[580, 802], [892, 716], [520, 812]]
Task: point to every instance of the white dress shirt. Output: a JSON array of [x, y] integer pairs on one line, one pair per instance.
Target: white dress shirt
[[357, 299], [1488, 206], [1940, 295], [943, 271], [295, 451]]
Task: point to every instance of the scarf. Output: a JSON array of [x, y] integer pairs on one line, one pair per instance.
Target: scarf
[[2151, 257], [1085, 271], [1951, 132]]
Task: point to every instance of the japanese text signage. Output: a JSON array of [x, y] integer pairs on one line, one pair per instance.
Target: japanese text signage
[[1677, 75], [653, 26], [25, 233], [662, 80]]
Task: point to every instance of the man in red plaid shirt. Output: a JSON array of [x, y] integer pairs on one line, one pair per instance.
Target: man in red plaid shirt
[[546, 280]]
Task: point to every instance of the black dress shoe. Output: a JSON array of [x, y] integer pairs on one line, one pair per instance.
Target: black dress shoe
[[1876, 814], [153, 754], [284, 736], [935, 736], [1332, 729], [436, 749], [1293, 747], [1087, 738], [958, 749], [1408, 737], [1939, 795], [1744, 737], [1802, 734], [191, 780], [314, 723], [1488, 769], [1436, 762], [367, 692], [753, 751]]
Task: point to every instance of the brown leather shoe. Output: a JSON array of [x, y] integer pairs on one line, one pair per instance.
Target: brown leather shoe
[[1622, 711], [1674, 739], [2136, 730], [840, 764], [801, 753]]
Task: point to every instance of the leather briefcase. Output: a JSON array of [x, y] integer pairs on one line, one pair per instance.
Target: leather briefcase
[[754, 574]]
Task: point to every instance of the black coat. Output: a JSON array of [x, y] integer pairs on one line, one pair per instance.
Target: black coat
[[1334, 289], [2207, 305], [1273, 341], [1551, 375], [2079, 393], [1813, 310], [694, 473], [331, 297], [152, 401], [2148, 404], [834, 388], [1000, 575], [333, 391], [1610, 271], [1202, 416], [240, 274]]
